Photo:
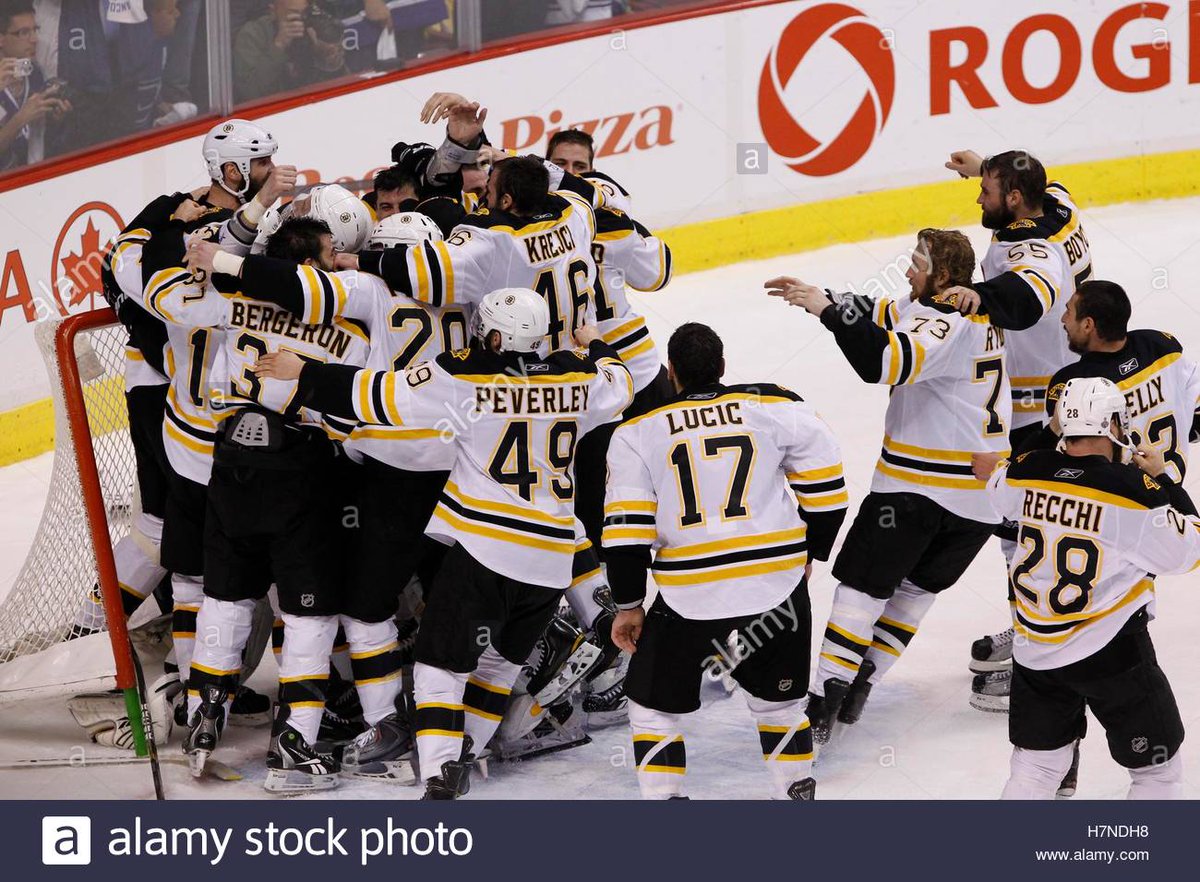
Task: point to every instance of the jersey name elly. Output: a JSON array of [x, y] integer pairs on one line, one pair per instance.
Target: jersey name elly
[[550, 245], [516, 398], [1066, 511], [272, 320], [1144, 397], [708, 416]]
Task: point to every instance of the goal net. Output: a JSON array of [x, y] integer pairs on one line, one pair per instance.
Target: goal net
[[89, 506]]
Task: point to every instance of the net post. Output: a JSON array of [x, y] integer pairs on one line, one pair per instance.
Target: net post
[[97, 514]]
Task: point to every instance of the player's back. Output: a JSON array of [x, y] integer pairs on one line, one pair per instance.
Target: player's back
[[1161, 388], [712, 480], [1090, 533], [950, 399], [514, 421], [549, 252]]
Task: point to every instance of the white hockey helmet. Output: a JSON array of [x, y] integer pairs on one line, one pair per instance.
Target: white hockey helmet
[[348, 217], [519, 314], [405, 228], [1094, 407], [237, 141]]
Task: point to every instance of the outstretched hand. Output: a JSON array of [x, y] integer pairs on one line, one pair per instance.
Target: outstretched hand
[[279, 366], [798, 293]]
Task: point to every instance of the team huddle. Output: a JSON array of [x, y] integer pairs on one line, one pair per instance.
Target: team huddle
[[423, 445]]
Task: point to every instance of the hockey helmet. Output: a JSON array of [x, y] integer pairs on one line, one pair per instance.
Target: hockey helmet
[[238, 141], [519, 314], [348, 217], [1094, 407], [405, 228]]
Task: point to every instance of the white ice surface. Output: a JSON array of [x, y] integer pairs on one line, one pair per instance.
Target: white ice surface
[[919, 739]]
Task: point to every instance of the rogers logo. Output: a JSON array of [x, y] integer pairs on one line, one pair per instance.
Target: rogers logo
[[786, 135]]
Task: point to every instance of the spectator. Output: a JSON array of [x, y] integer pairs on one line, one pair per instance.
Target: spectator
[[26, 99], [569, 11], [380, 32], [294, 44], [177, 76]]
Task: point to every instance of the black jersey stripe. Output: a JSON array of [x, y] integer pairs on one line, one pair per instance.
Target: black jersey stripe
[[1044, 629], [377, 396], [475, 514], [199, 434], [438, 295], [328, 299], [629, 339], [906, 359], [921, 465], [812, 489], [624, 519], [731, 557]]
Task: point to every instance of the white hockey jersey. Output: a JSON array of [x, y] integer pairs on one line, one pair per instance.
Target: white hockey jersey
[[550, 253], [1090, 534], [514, 422], [402, 332], [625, 258], [733, 488], [950, 395], [1037, 264]]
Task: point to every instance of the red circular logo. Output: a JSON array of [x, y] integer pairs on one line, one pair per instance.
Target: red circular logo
[[868, 46], [79, 256]]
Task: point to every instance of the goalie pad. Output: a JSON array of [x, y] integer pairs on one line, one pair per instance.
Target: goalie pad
[[102, 714]]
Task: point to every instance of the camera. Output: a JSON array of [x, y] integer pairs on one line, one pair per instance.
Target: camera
[[59, 88], [326, 28], [24, 67]]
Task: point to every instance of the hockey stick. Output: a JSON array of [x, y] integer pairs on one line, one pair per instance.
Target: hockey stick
[[147, 722], [219, 770]]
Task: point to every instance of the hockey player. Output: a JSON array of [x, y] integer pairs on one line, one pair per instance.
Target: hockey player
[[272, 504], [1092, 531], [1162, 391], [239, 158], [926, 516], [403, 469], [1038, 255], [514, 418], [529, 237], [726, 494]]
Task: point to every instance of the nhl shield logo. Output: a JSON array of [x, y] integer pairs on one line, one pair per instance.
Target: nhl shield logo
[[1139, 744], [308, 600], [785, 685]]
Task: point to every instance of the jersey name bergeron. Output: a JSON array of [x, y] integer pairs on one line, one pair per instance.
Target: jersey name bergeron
[[1064, 511], [272, 320]]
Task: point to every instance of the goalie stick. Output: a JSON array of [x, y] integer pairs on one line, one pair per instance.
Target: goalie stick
[[216, 768]]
